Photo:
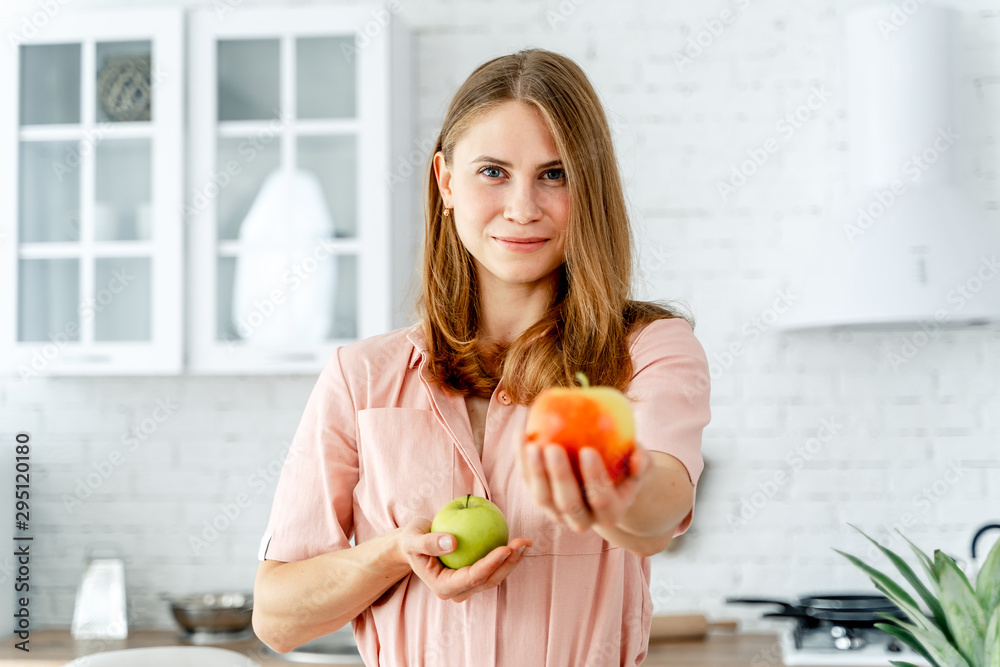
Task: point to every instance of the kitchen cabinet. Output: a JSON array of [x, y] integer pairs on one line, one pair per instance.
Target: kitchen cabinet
[[90, 227], [246, 214], [299, 234]]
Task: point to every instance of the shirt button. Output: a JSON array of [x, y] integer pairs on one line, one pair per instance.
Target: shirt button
[[503, 397]]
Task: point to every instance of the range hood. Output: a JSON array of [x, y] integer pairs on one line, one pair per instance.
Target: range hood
[[908, 248]]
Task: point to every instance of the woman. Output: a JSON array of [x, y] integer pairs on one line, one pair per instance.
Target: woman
[[526, 274]]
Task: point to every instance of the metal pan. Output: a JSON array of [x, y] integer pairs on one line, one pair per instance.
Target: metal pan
[[848, 610]]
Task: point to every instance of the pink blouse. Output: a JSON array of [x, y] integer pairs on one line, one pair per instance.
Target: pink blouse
[[379, 445]]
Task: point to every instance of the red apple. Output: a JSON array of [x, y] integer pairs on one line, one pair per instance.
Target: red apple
[[585, 416]]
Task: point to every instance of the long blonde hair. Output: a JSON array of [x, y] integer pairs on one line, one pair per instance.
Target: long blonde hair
[[591, 315]]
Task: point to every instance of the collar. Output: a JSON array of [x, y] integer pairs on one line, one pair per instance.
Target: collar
[[416, 337]]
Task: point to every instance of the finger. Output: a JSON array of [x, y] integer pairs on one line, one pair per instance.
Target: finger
[[458, 585], [538, 480], [418, 526], [497, 576], [628, 489], [477, 574], [641, 462], [417, 540], [566, 495], [605, 501], [439, 544]]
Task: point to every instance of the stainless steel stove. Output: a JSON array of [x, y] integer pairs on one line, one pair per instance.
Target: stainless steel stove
[[835, 645], [837, 629]]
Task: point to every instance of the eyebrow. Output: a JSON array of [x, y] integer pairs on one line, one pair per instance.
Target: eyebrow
[[508, 165]]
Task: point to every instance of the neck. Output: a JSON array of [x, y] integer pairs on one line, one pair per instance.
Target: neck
[[506, 311]]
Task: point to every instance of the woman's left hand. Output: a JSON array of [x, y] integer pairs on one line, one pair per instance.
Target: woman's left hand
[[546, 469]]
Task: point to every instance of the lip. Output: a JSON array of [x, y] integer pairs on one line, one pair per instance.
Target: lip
[[521, 245]]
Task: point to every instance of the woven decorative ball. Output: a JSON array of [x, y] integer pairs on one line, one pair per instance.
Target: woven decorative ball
[[124, 87]]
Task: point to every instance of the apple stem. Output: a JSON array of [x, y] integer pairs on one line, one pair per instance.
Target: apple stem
[[467, 500], [582, 379]]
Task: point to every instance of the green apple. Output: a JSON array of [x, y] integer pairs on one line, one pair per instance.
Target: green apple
[[477, 525]]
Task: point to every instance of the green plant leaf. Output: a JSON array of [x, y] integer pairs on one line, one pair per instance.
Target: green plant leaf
[[940, 649], [905, 636], [894, 591], [966, 619], [912, 612], [890, 618], [929, 598], [934, 640], [991, 656], [925, 561], [900, 663], [930, 636], [988, 581]]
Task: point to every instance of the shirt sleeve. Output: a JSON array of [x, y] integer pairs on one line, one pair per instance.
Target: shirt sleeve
[[312, 513], [670, 392]]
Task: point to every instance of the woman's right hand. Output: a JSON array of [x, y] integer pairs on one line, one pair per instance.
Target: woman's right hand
[[421, 548]]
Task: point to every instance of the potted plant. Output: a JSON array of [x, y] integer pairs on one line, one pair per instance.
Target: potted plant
[[959, 624]]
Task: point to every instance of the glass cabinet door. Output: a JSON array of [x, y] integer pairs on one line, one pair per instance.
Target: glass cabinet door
[[85, 193], [293, 129], [49, 210], [285, 134], [50, 91], [92, 136]]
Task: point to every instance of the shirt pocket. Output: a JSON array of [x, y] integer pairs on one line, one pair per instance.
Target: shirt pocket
[[406, 461], [554, 539]]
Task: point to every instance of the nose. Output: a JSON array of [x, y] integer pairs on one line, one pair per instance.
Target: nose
[[522, 206]]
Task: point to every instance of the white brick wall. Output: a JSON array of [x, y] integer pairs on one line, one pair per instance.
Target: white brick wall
[[679, 130]]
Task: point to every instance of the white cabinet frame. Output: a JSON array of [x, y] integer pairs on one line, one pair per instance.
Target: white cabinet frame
[[163, 354], [381, 128]]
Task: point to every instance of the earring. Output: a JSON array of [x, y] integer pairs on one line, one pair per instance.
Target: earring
[[447, 212]]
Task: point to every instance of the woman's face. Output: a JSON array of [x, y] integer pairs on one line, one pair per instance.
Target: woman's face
[[508, 190]]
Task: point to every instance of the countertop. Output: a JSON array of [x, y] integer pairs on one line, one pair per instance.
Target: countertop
[[54, 648]]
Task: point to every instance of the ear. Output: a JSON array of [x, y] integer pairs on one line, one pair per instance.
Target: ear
[[443, 175]]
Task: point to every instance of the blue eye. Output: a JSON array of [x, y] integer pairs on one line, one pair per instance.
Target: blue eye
[[487, 169], [559, 174]]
